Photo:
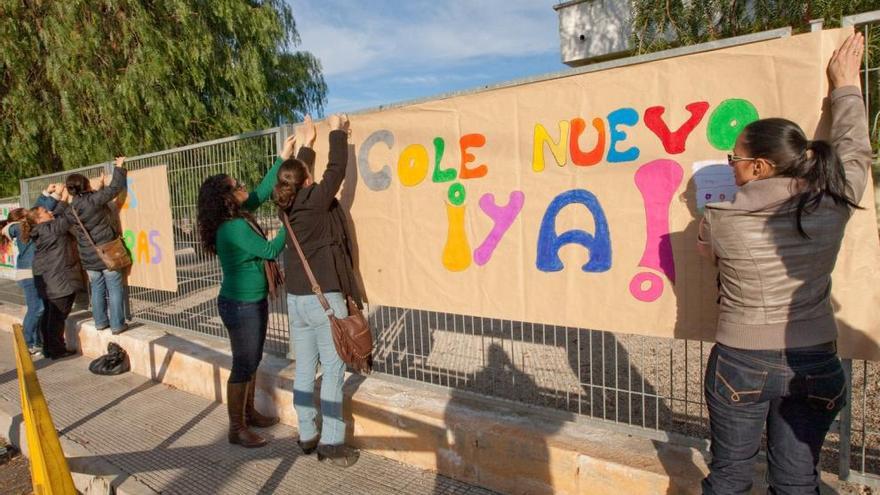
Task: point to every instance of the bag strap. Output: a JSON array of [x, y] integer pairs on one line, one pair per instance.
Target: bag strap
[[83, 227], [316, 288], [255, 227]]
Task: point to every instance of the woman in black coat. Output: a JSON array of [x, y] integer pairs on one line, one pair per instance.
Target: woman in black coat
[[92, 208], [57, 272]]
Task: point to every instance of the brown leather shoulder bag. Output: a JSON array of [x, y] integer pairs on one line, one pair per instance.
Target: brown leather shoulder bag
[[351, 335], [114, 254]]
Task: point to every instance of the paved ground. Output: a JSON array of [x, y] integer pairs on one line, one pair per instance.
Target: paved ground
[[174, 442]]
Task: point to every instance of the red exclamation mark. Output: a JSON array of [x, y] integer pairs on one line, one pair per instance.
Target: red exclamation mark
[[657, 181]]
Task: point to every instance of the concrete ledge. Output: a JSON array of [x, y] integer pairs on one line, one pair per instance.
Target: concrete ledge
[[495, 444]]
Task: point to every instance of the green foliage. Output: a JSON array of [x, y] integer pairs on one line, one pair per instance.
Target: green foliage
[[661, 24], [84, 80]]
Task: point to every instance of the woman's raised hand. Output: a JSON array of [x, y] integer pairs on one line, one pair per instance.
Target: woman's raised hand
[[287, 149], [339, 122], [843, 68], [119, 161], [309, 131]]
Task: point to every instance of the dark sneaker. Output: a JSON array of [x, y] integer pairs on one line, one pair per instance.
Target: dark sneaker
[[339, 455], [62, 355]]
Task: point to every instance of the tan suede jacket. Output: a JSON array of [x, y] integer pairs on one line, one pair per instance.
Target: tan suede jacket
[[775, 285]]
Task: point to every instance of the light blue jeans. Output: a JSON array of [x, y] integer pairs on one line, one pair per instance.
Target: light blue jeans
[[107, 285], [313, 342]]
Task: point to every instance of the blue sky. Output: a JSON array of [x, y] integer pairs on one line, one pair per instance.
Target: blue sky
[[376, 52]]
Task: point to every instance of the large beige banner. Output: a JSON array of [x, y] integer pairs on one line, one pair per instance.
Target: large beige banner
[[147, 229], [575, 201]]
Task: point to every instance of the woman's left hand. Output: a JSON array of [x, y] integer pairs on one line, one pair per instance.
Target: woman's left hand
[[309, 131], [287, 149], [338, 122], [843, 68]]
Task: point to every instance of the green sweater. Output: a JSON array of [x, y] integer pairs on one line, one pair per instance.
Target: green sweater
[[242, 250]]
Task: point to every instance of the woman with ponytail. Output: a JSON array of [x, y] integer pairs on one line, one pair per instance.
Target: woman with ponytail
[[318, 222], [16, 229], [228, 229], [775, 361]]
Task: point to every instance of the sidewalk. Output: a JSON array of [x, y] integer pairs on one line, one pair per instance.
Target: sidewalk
[[153, 438]]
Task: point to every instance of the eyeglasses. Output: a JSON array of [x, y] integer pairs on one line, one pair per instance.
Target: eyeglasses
[[731, 159]]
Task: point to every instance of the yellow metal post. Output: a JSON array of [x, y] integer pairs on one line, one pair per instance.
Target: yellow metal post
[[49, 470]]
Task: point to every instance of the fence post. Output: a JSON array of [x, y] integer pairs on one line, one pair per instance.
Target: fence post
[[24, 199], [845, 425]]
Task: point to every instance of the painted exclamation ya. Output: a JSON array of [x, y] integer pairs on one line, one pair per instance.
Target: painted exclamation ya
[[657, 181]]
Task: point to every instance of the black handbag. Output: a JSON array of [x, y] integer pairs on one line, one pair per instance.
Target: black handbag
[[115, 362]]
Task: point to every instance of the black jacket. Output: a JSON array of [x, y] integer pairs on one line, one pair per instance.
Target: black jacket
[[319, 223], [57, 272], [98, 219]]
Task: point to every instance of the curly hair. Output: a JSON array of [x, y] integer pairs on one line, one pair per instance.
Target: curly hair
[[216, 205], [15, 215]]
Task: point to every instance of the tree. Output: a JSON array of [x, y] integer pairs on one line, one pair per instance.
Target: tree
[[658, 25], [83, 80]]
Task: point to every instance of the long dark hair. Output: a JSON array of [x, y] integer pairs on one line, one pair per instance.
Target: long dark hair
[[77, 184], [217, 204], [15, 215], [291, 176], [815, 163]]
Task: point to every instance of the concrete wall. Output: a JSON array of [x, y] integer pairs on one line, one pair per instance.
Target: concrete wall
[[593, 29]]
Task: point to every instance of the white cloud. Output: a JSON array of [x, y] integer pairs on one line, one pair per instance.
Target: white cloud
[[352, 38]]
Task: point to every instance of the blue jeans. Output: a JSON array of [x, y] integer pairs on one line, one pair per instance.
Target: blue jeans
[[34, 312], [107, 285], [313, 342], [796, 393], [246, 323]]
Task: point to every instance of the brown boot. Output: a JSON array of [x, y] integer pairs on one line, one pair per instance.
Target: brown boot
[[238, 432], [251, 416]]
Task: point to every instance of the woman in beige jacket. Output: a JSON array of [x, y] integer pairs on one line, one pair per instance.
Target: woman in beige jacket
[[775, 363]]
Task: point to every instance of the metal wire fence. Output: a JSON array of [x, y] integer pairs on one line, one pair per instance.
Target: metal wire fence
[[193, 306], [649, 386]]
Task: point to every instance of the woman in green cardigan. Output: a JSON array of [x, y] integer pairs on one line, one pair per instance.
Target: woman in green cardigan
[[228, 229]]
